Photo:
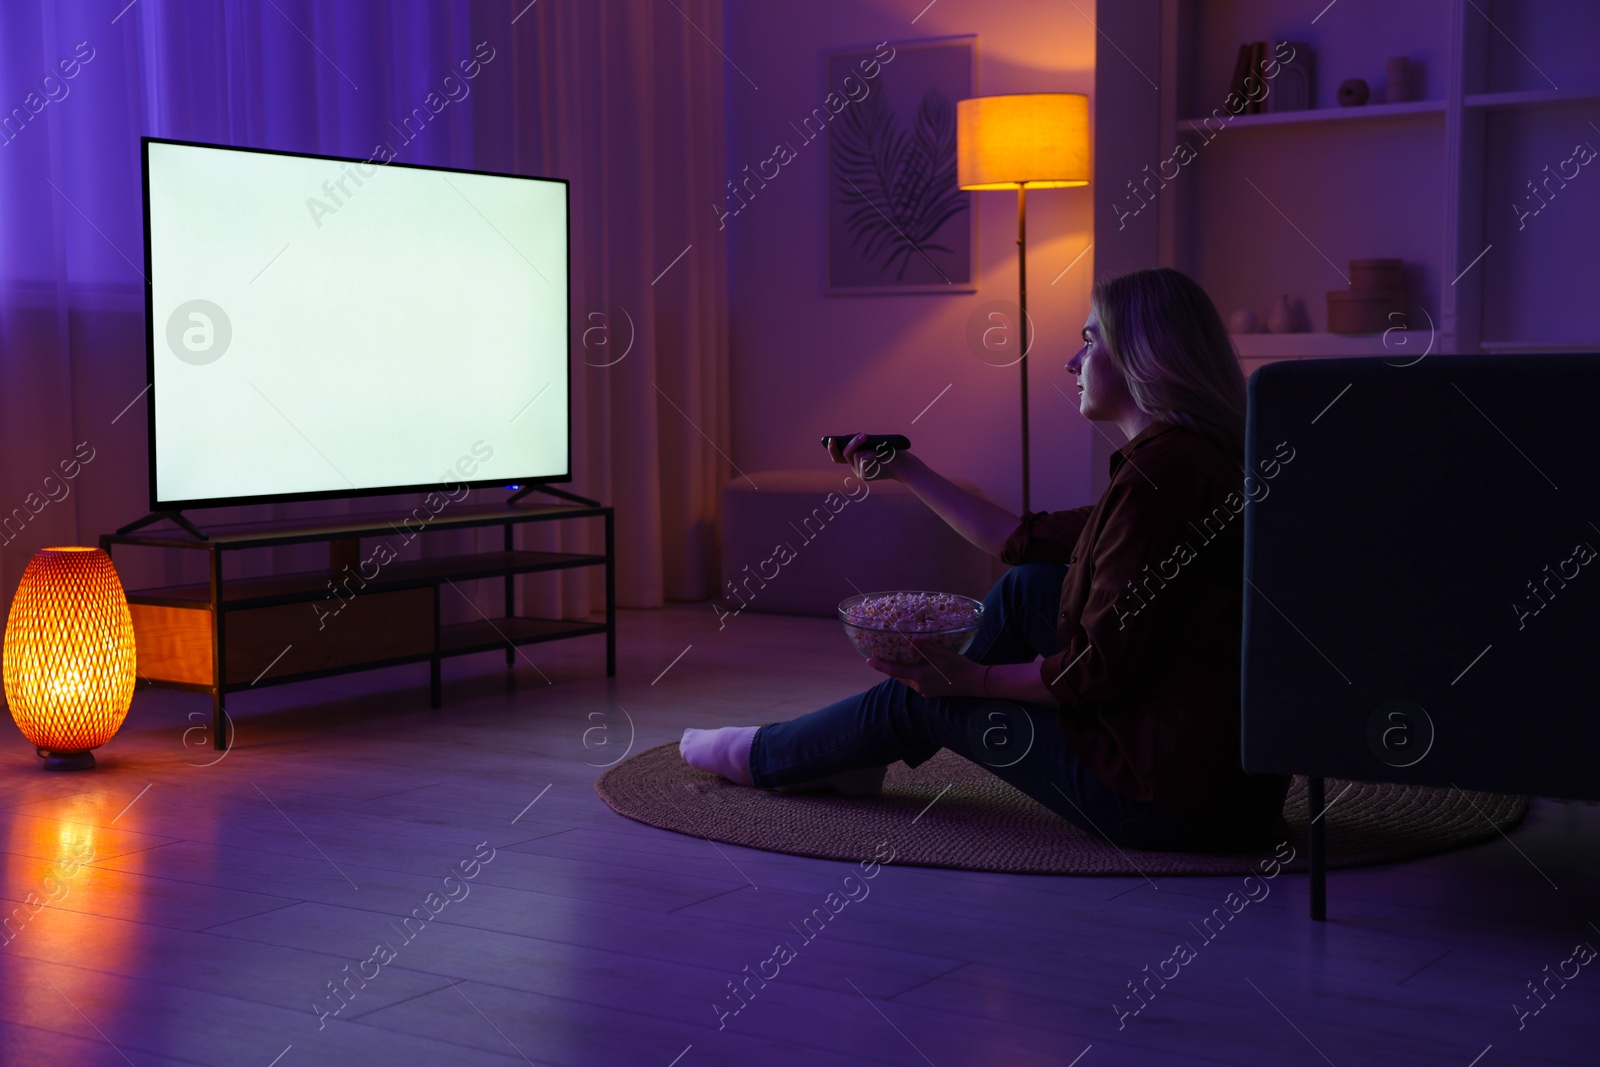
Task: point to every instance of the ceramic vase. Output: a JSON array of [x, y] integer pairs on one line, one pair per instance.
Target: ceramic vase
[[1282, 318]]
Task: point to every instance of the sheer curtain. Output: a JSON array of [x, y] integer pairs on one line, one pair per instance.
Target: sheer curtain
[[624, 99]]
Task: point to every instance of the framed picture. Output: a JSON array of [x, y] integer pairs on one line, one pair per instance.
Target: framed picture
[[897, 223]]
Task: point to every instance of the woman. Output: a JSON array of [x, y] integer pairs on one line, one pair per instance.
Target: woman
[[1104, 679]]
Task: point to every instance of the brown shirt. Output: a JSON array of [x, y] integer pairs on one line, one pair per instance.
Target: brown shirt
[[1148, 674]]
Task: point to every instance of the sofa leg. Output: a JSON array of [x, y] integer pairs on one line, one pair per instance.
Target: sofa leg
[[1316, 807]]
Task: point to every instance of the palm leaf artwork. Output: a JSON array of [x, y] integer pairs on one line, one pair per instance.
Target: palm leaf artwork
[[900, 188]]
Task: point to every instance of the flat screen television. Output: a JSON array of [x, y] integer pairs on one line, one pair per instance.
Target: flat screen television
[[325, 327]]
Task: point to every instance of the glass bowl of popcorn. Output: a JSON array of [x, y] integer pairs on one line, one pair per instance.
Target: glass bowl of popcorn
[[882, 625]]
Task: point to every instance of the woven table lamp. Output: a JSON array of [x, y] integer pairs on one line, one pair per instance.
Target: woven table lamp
[[69, 655]]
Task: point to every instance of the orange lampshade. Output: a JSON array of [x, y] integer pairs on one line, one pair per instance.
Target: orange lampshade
[[69, 654], [1041, 139]]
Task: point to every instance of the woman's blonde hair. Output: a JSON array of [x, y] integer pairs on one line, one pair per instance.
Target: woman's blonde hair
[[1164, 333]]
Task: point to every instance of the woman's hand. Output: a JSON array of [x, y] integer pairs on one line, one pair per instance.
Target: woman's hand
[[872, 465], [945, 674], [981, 521]]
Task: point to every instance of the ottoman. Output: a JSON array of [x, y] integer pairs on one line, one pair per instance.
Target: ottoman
[[807, 539]]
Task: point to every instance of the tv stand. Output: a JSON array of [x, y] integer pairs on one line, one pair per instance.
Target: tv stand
[[158, 516], [224, 635], [551, 491]]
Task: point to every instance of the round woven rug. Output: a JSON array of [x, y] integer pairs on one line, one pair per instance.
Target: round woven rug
[[950, 812]]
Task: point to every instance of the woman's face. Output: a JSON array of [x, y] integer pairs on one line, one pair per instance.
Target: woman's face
[[1102, 390]]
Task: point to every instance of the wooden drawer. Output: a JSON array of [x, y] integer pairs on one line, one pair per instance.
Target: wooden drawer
[[175, 644]]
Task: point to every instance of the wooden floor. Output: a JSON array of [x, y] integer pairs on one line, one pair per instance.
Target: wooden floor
[[223, 900]]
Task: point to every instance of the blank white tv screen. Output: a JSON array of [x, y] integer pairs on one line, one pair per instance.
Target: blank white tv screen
[[323, 326]]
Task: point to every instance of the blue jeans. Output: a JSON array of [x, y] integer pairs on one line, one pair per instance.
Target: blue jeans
[[1019, 742]]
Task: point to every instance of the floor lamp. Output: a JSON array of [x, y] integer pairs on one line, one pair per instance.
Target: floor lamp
[[1023, 141]]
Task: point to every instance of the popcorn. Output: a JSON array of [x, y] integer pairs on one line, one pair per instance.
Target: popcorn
[[881, 625]]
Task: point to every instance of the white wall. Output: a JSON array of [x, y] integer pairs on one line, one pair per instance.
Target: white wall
[[805, 363]]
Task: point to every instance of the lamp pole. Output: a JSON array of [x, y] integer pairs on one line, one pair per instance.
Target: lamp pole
[[1012, 141], [1022, 303]]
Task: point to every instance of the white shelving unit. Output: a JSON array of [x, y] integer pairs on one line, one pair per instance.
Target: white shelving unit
[[1280, 202], [1320, 115], [1400, 347], [1532, 97], [1401, 344], [1540, 346]]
